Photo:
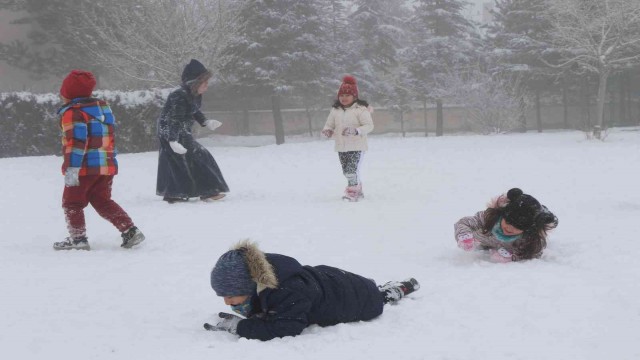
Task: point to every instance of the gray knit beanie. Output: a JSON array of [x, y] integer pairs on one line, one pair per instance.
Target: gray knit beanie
[[231, 277]]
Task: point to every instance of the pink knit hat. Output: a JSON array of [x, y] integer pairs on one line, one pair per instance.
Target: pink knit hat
[[348, 86]]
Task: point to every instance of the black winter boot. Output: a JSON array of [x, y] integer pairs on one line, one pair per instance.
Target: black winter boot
[[132, 237], [395, 290], [171, 200], [78, 243]]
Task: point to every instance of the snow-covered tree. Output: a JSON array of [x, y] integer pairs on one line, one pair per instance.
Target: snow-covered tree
[[443, 40], [281, 48], [378, 36], [518, 38], [598, 36], [387, 77], [50, 49], [152, 40], [491, 102], [143, 40]]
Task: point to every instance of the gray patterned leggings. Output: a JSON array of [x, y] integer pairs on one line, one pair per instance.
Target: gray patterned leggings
[[350, 161]]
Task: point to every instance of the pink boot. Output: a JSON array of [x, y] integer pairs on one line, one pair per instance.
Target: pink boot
[[360, 193], [350, 193], [353, 193]]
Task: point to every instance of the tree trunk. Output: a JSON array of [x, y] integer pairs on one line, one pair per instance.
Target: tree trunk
[[439, 118], [402, 123], [277, 119], [522, 117], [587, 105], [623, 98], [565, 105], [426, 128], [602, 93], [245, 130], [538, 116], [629, 102], [309, 119], [612, 101]]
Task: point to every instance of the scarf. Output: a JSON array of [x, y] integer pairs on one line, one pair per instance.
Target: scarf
[[500, 235], [244, 308]]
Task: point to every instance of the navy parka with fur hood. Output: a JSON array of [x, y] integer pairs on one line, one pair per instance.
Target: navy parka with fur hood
[[291, 296]]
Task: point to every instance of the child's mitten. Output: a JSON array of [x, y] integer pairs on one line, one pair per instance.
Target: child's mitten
[[228, 323], [467, 242], [212, 124], [177, 148], [327, 133], [501, 255], [350, 131], [71, 177]]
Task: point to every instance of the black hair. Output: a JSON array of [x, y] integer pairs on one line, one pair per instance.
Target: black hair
[[338, 105]]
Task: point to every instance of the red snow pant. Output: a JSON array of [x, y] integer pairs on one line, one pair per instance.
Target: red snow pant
[[94, 190]]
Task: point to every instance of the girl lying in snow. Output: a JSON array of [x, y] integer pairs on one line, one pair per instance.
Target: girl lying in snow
[[513, 227], [279, 297]]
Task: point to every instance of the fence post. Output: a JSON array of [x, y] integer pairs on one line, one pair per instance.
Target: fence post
[[277, 119]]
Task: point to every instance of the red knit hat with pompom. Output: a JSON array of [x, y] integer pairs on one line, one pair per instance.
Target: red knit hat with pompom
[[348, 86], [78, 84]]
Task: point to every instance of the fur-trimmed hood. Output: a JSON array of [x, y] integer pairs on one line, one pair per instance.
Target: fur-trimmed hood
[[245, 269], [260, 269], [242, 270]]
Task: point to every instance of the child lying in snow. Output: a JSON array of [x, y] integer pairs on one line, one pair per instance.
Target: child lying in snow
[[280, 297], [513, 227]]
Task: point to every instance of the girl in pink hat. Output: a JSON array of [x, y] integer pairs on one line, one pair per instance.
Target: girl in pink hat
[[348, 123]]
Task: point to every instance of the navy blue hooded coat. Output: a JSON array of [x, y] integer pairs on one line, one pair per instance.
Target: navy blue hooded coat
[[195, 173], [306, 295]]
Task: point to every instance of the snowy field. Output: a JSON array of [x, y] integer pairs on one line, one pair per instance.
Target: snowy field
[[580, 301]]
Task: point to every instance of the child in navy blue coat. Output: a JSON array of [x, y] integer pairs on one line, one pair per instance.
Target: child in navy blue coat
[[277, 296]]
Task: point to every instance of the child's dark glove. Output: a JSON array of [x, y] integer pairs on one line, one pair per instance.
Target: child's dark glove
[[350, 131], [228, 323]]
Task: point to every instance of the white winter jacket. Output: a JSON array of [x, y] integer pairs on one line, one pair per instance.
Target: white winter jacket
[[356, 116]]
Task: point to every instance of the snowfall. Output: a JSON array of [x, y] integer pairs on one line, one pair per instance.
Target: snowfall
[[579, 301]]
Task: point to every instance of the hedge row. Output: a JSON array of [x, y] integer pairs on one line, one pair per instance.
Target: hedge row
[[29, 124]]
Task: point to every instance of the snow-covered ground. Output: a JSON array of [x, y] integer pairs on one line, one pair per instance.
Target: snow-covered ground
[[580, 301]]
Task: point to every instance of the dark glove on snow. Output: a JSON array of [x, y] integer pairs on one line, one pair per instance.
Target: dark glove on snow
[[228, 323]]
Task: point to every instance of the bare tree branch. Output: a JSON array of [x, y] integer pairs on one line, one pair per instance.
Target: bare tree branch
[[151, 40], [600, 36]]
